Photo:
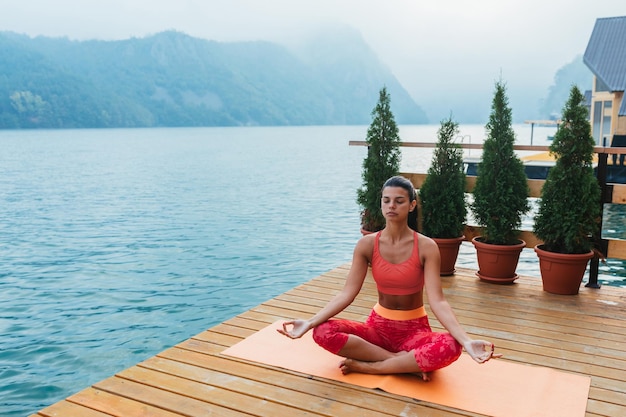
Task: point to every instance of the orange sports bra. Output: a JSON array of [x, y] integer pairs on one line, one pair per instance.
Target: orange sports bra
[[398, 279]]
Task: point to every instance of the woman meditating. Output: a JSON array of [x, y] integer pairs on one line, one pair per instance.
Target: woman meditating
[[396, 337]]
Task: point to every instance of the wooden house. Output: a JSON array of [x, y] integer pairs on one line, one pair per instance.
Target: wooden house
[[605, 56]]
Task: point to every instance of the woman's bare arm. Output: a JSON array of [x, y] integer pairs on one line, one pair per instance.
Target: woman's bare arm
[[351, 288], [479, 350]]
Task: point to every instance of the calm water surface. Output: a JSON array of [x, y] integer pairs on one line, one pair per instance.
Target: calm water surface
[[117, 244]]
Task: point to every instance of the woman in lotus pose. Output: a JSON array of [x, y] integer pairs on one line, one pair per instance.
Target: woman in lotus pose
[[396, 337]]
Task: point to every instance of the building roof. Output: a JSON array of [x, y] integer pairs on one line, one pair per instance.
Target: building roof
[[606, 54]]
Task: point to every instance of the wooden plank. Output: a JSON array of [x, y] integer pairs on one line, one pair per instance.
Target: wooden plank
[[470, 183], [538, 148], [616, 249], [69, 409], [527, 236], [619, 194], [222, 390], [571, 337], [534, 186], [417, 179], [162, 401], [272, 384], [115, 405]]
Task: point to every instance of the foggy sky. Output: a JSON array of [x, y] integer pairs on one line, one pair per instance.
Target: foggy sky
[[446, 53]]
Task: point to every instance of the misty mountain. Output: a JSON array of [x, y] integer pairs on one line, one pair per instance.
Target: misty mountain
[[172, 79], [573, 73]]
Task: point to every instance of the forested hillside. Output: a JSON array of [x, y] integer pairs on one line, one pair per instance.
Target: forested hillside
[[172, 79], [575, 72]]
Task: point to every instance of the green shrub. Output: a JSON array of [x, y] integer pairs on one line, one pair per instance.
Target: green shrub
[[501, 191], [442, 194], [569, 208], [382, 162]]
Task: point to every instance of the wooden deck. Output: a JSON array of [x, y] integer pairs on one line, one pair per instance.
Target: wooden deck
[[584, 334]]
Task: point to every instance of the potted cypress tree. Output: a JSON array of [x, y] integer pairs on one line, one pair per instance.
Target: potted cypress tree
[[442, 196], [500, 197], [569, 208], [381, 163]]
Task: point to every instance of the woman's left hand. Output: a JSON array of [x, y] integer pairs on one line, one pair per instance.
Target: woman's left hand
[[481, 351]]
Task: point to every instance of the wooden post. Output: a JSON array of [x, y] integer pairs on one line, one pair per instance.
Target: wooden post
[[597, 238]]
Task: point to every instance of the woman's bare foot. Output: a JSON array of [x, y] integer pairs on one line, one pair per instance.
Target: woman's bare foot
[[351, 365]]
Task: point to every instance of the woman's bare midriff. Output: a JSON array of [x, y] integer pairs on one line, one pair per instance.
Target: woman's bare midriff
[[401, 302]]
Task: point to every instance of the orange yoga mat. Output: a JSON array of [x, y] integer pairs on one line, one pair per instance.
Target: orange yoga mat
[[495, 388]]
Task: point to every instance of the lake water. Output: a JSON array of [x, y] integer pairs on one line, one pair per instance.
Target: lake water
[[117, 244]]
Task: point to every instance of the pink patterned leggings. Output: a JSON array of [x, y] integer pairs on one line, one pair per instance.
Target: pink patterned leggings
[[431, 350]]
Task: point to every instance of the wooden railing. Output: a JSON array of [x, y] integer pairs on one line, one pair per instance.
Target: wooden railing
[[611, 194]]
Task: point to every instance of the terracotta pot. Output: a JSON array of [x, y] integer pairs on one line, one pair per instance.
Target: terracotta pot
[[562, 273], [497, 263], [449, 250]]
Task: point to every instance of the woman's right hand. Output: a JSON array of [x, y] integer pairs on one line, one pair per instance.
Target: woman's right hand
[[297, 330], [481, 351]]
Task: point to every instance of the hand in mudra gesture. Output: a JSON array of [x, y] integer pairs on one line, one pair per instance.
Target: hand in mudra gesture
[[481, 351], [298, 328]]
